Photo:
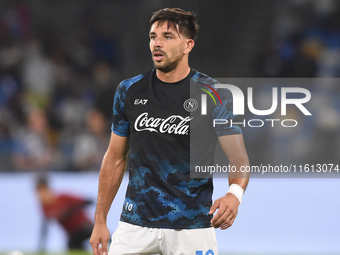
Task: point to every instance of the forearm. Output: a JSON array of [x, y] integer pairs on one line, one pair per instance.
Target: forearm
[[238, 175], [110, 178], [233, 147]]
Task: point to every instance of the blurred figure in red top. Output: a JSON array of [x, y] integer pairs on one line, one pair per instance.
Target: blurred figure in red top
[[68, 210]]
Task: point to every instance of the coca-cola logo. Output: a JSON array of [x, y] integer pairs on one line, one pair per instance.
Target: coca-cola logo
[[174, 124]]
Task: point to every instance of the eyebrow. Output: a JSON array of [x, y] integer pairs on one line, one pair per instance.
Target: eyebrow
[[164, 33], [168, 33]]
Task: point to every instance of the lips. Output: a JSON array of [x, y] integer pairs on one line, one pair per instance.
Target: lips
[[158, 56]]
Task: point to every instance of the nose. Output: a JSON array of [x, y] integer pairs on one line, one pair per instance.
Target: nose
[[157, 43]]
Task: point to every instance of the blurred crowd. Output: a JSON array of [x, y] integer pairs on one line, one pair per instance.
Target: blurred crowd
[[305, 40], [56, 90], [304, 43], [56, 94]]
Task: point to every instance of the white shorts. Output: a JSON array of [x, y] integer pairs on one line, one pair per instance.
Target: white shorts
[[133, 239]]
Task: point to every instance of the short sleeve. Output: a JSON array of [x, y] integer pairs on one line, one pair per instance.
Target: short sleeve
[[223, 115], [120, 124]]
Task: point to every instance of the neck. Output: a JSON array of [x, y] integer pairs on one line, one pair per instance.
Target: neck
[[179, 73]]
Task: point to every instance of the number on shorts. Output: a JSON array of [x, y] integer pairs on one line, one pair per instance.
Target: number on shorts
[[209, 252]]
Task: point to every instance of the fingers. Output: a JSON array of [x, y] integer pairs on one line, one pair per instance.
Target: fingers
[[214, 207], [99, 249], [226, 219], [229, 222], [99, 246], [95, 248], [226, 214], [99, 239], [217, 219], [103, 248], [220, 217]]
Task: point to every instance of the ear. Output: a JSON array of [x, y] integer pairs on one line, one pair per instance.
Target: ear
[[190, 43]]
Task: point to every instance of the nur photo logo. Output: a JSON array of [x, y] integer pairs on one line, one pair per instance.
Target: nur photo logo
[[279, 98]]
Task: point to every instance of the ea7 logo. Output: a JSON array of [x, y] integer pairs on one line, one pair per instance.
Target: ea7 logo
[[140, 101]]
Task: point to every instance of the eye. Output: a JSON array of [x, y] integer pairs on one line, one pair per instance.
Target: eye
[[152, 37], [168, 37]]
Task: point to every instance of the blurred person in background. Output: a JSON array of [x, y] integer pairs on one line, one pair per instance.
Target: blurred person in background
[[6, 145], [68, 211], [90, 145], [11, 55], [38, 74], [35, 144], [104, 77]]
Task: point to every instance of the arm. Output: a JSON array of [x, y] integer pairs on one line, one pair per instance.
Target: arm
[[233, 147], [110, 178]]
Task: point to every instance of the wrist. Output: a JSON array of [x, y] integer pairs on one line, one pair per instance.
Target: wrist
[[100, 222], [237, 191], [100, 218]]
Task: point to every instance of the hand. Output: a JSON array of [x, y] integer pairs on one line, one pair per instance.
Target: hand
[[100, 235], [227, 210]]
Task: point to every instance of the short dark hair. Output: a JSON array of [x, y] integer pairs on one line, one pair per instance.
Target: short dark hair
[[185, 20]]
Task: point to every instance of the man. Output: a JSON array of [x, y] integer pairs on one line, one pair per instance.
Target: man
[[68, 210], [165, 211]]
